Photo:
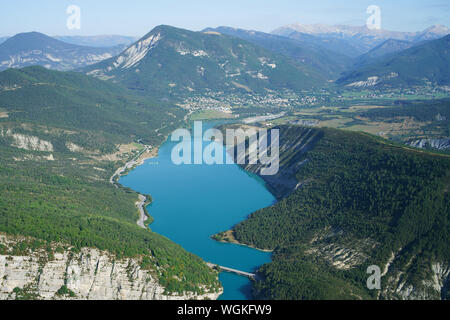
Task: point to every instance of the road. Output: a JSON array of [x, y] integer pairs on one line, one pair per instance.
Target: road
[[239, 272], [142, 216], [142, 199]]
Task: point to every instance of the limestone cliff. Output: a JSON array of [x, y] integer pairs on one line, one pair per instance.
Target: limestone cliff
[[408, 275], [435, 287], [88, 274]]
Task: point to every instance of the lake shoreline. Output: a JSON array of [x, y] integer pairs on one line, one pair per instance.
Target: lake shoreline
[[229, 238], [151, 180]]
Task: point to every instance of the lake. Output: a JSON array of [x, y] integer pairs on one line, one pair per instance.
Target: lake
[[193, 202]]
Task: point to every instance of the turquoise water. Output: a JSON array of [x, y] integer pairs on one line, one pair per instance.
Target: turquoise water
[[193, 202]]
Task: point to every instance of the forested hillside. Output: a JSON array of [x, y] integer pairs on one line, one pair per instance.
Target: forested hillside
[[62, 136], [170, 61], [74, 101], [427, 63], [361, 201], [329, 63]]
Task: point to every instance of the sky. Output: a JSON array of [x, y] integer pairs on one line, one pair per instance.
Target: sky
[[137, 17]]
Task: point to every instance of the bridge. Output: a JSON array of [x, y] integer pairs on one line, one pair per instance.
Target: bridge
[[239, 272]]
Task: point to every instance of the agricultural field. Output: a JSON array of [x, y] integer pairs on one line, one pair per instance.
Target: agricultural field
[[401, 122]]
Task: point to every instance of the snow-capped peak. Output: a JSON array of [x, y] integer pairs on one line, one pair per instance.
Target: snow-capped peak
[[437, 29]]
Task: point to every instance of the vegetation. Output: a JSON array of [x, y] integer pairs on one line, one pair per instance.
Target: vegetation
[[401, 121], [67, 198], [364, 189], [346, 200], [428, 62], [183, 62], [99, 110], [64, 291], [324, 61], [34, 48], [210, 115]]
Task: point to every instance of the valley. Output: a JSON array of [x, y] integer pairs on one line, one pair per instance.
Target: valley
[[346, 201], [56, 161], [88, 184], [208, 198]]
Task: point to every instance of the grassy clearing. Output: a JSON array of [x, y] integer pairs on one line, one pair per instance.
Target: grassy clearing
[[210, 115]]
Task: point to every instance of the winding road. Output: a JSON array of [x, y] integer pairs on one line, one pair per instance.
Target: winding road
[[142, 199], [142, 216]]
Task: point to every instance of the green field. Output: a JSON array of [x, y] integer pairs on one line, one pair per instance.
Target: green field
[[210, 115]]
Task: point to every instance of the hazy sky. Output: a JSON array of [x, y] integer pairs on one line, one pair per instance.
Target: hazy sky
[[137, 17]]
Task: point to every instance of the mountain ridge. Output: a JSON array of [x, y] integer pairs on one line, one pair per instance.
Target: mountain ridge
[[326, 62], [168, 59], [428, 62], [350, 31], [355, 40], [98, 41], [388, 47], [355, 201], [34, 48], [64, 137]]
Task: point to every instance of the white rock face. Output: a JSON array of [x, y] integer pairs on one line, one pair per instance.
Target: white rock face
[[134, 54], [26, 142], [195, 53], [64, 60], [439, 144], [373, 81], [397, 288], [90, 274], [370, 82], [266, 62], [73, 147]]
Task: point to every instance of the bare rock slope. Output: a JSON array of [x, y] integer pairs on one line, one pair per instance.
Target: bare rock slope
[[89, 274]]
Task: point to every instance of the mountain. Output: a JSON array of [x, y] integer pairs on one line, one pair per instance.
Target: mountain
[[74, 100], [429, 62], [3, 39], [342, 31], [386, 48], [348, 47], [171, 60], [103, 41], [63, 135], [432, 33], [326, 62], [349, 40], [355, 41], [33, 48], [347, 201]]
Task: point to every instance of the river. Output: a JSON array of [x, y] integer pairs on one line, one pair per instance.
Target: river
[[193, 202]]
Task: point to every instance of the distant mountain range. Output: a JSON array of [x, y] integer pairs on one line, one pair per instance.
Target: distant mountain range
[[33, 48], [324, 61], [171, 60], [419, 65], [103, 41], [388, 47], [354, 41]]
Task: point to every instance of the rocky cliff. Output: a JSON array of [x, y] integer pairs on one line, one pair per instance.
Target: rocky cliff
[[435, 287], [410, 274], [291, 157], [57, 272], [438, 144]]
